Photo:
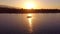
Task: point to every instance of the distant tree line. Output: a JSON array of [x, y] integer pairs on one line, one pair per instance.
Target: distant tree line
[[14, 10]]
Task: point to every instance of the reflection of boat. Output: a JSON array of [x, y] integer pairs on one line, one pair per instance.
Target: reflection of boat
[[29, 16]]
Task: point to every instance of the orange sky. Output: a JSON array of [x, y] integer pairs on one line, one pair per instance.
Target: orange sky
[[37, 4]]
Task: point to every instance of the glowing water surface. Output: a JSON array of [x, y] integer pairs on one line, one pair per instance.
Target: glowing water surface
[[38, 23]]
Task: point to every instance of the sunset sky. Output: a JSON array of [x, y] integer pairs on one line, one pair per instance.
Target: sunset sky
[[37, 4]]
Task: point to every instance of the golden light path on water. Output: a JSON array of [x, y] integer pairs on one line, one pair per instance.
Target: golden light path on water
[[30, 22]]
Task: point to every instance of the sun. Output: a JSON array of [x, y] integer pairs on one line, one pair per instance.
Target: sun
[[29, 5]]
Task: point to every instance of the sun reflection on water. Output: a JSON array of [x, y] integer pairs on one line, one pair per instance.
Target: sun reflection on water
[[30, 22]]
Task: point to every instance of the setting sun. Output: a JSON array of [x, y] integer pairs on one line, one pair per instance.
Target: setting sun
[[29, 5]]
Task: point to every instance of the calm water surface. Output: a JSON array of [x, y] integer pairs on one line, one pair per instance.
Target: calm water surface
[[38, 23]]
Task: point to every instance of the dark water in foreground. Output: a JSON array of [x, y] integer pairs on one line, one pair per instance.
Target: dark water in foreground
[[39, 23]]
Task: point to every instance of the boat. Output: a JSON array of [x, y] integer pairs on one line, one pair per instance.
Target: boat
[[29, 16]]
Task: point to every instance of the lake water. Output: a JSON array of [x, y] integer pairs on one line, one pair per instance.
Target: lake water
[[37, 23]]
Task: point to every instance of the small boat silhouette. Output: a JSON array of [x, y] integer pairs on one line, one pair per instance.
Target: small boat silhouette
[[29, 16]]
